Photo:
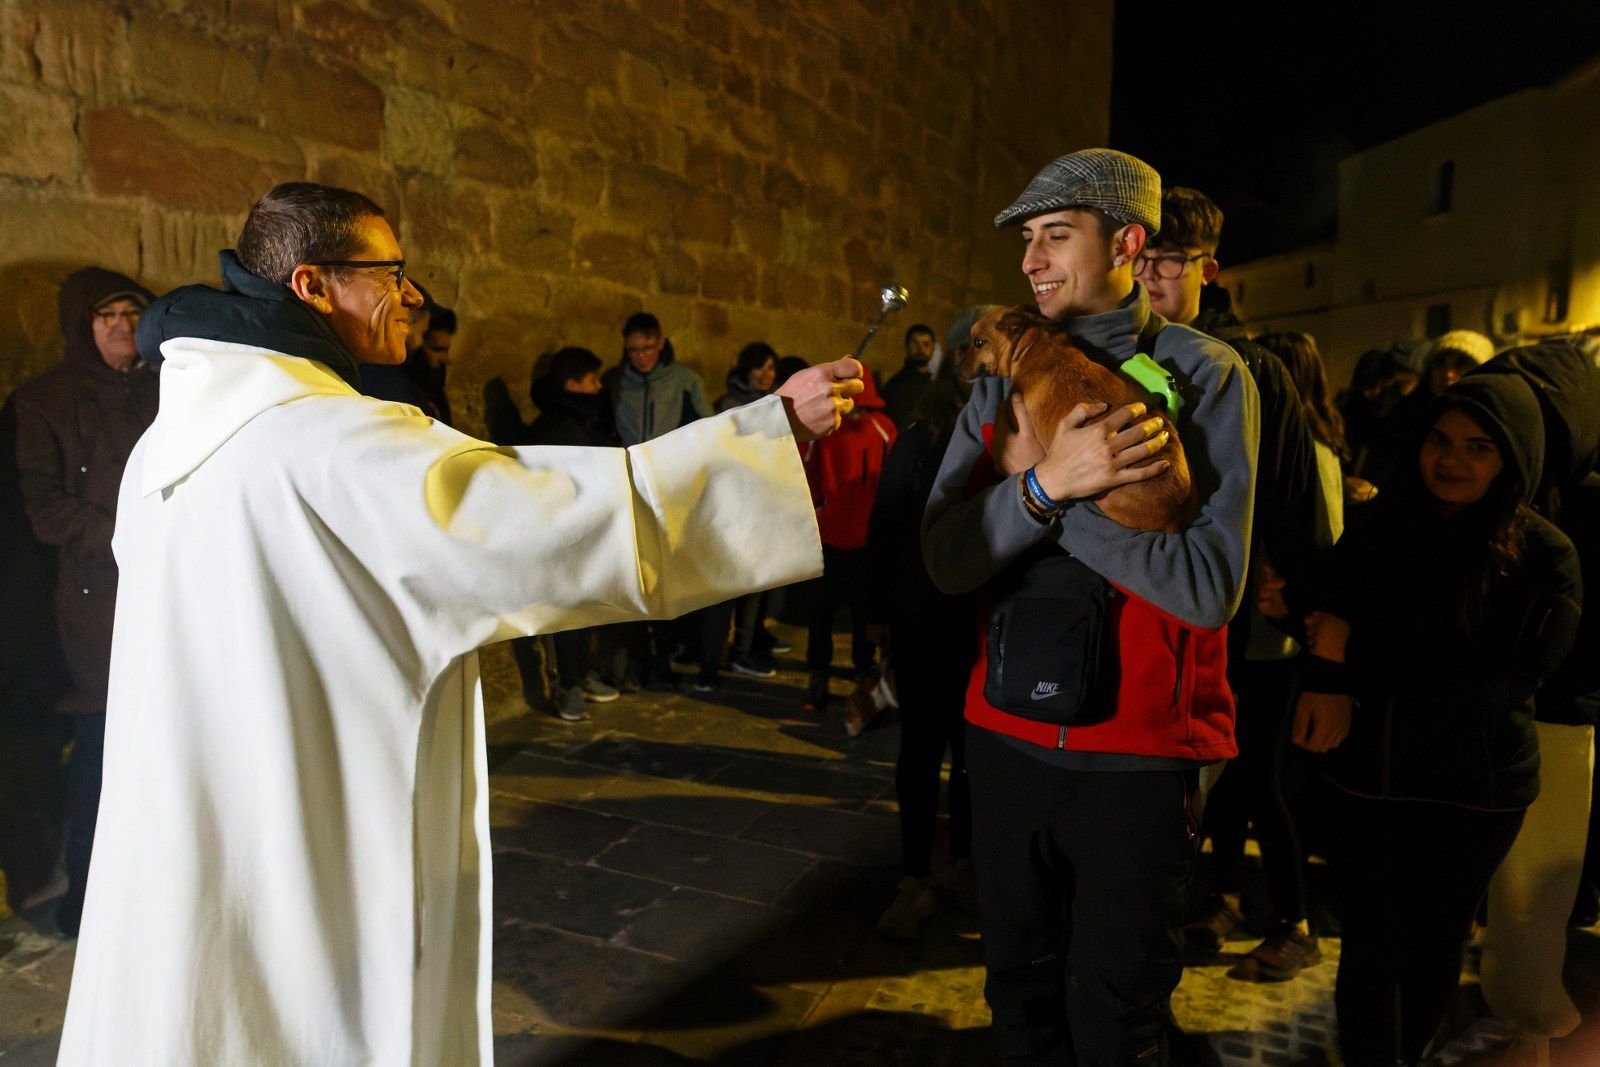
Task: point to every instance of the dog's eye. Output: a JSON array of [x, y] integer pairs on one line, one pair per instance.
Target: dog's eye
[[979, 342]]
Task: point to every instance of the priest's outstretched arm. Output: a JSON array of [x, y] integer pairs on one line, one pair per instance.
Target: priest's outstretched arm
[[499, 542]]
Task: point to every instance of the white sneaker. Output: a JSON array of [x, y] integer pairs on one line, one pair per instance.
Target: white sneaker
[[597, 692], [570, 706]]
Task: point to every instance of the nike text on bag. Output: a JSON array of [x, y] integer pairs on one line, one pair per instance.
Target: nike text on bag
[[1049, 642]]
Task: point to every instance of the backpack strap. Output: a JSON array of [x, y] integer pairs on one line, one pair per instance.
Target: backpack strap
[[1147, 336]]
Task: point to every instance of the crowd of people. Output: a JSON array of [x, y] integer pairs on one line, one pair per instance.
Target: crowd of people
[[1367, 651]]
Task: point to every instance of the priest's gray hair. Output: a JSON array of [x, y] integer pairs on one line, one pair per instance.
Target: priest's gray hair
[[302, 222]]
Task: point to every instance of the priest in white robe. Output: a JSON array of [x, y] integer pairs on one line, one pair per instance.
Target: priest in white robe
[[292, 860]]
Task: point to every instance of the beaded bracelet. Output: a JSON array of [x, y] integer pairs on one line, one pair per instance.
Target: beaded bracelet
[[1036, 510]]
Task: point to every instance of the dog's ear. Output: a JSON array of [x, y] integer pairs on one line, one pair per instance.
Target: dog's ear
[[1013, 321], [1018, 320]]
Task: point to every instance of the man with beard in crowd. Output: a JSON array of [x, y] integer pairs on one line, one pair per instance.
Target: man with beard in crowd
[[903, 392]]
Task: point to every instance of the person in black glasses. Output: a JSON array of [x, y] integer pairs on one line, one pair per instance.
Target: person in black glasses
[[292, 859], [76, 425]]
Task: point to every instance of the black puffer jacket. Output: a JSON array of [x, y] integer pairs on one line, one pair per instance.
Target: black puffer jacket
[[1285, 519], [570, 418], [1566, 380], [416, 382], [738, 395], [76, 425], [1445, 714], [903, 392]]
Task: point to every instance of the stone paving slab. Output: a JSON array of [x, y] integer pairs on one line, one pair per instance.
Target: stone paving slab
[[686, 922], [547, 978], [558, 830], [813, 784], [573, 897], [654, 758], [844, 835], [729, 866]]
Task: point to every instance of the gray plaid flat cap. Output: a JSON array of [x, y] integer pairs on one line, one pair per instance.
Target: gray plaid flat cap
[[1126, 188]]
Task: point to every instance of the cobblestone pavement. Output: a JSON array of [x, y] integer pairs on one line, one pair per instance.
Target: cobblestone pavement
[[687, 879]]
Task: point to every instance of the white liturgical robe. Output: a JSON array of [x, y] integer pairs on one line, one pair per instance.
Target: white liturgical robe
[[292, 860]]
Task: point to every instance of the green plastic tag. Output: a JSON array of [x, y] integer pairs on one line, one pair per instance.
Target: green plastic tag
[[1156, 378]]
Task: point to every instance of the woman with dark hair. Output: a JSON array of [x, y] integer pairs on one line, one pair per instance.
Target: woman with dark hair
[[1440, 612], [788, 367], [1300, 356], [573, 410], [933, 640], [753, 376]]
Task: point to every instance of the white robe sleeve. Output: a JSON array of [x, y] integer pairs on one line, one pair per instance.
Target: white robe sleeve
[[477, 543]]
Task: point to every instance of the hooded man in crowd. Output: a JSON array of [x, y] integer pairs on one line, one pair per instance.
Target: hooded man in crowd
[[293, 863], [76, 425]]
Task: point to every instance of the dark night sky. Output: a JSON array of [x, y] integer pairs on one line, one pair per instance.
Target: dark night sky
[[1256, 103]]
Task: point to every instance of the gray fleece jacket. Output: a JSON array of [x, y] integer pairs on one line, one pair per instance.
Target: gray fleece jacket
[[1196, 575]]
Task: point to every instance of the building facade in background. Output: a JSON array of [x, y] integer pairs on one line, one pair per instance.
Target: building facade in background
[[745, 169], [1488, 221]]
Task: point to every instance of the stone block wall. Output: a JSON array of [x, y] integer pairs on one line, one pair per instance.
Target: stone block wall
[[746, 169]]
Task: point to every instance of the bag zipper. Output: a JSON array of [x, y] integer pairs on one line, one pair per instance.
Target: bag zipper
[[1177, 681]]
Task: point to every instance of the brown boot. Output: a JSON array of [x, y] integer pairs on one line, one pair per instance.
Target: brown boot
[[1206, 934], [1286, 952]]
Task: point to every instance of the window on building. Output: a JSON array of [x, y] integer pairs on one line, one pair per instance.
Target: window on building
[[1311, 275], [1438, 321], [1444, 192], [1557, 290]]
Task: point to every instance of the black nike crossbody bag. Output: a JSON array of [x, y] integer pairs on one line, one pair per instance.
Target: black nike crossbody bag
[[1050, 648]]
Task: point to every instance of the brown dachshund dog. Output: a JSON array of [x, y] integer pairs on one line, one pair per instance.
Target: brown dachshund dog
[[1052, 376]]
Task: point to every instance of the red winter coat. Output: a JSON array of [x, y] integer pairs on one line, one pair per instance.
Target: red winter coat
[[844, 467]]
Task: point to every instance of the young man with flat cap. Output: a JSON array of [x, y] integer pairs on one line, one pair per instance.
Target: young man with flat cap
[[1082, 790]]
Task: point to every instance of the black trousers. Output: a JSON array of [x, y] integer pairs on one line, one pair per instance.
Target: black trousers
[[1252, 789], [744, 613], [574, 660], [1407, 878], [930, 673], [843, 581], [83, 810], [1081, 884]]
